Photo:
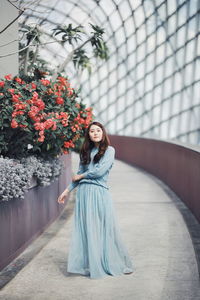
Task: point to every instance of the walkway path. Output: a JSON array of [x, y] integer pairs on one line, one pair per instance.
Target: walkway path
[[156, 237]]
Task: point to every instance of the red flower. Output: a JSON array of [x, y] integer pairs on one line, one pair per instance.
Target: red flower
[[69, 144], [50, 123], [70, 92], [14, 123], [64, 123], [11, 91], [29, 101], [58, 93], [20, 106], [64, 116], [19, 80], [49, 91], [36, 118], [45, 82], [41, 133], [15, 113], [73, 129], [33, 85], [2, 83], [35, 109], [65, 151], [8, 77], [15, 98], [59, 100], [35, 95], [39, 126], [40, 104], [62, 81], [41, 138], [33, 112]]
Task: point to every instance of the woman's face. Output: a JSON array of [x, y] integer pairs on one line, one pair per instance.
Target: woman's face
[[95, 133]]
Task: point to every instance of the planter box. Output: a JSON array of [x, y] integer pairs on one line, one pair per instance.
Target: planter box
[[22, 221]]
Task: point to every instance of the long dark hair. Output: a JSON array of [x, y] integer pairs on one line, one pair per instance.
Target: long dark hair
[[88, 145]]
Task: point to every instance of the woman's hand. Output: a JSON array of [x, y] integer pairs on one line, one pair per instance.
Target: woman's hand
[[61, 198], [77, 177]]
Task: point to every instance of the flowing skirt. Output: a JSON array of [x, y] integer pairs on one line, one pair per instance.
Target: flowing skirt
[[96, 248]]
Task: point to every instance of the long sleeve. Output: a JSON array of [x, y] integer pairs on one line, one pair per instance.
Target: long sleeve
[[74, 184], [99, 169]]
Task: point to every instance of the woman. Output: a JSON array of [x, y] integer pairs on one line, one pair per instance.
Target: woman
[[96, 247]]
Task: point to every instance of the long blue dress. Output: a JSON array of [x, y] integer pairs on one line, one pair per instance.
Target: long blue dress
[[96, 248]]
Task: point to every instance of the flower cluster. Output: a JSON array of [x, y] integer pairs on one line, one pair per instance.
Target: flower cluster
[[15, 176], [40, 113], [14, 179], [44, 170]]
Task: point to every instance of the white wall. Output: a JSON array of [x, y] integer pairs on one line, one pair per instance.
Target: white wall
[[9, 64]]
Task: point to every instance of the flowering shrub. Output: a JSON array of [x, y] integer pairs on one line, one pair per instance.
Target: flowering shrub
[[44, 170], [14, 179], [15, 176], [40, 117]]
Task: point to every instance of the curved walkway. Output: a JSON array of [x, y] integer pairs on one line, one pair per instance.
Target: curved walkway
[[155, 234]]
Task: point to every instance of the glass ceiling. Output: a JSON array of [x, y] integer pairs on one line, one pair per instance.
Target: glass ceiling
[[150, 85]]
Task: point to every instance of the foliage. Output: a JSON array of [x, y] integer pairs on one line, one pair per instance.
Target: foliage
[[100, 48], [38, 116], [80, 59], [44, 170], [14, 179], [15, 176], [76, 37], [69, 34]]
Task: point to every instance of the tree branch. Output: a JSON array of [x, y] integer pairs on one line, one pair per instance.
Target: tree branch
[[9, 43], [1, 56], [68, 59]]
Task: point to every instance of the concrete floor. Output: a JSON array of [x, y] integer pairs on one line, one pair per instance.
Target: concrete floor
[[154, 232]]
